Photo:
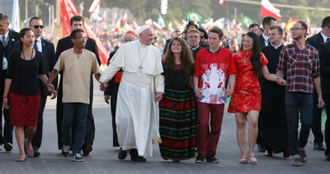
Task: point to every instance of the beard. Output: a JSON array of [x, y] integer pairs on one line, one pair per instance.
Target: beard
[[297, 37]]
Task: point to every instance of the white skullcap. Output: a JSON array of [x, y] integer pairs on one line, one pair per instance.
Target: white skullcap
[[143, 27]]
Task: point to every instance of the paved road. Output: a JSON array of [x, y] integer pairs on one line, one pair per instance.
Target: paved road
[[103, 159]]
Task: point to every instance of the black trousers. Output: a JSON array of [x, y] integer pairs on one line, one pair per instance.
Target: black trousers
[[327, 123], [37, 138], [7, 136], [317, 120], [90, 125]]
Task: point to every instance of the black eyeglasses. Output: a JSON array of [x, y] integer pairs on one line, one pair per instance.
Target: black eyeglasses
[[38, 26], [177, 31]]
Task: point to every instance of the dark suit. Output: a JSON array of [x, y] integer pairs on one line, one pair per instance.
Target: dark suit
[[315, 41], [48, 52], [167, 42], [62, 45], [5, 51], [324, 53], [262, 41]]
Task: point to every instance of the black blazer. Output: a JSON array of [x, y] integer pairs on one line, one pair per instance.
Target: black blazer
[[262, 41], [65, 44], [315, 40], [13, 37], [324, 54], [48, 52]]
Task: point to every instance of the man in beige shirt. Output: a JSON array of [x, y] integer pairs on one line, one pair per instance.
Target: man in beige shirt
[[76, 63]]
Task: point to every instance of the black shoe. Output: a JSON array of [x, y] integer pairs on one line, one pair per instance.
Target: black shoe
[[87, 149], [328, 157], [135, 156], [65, 150], [212, 159], [77, 157], [303, 156], [287, 153], [268, 153], [318, 146], [122, 154], [200, 158], [36, 151], [261, 148], [8, 147]]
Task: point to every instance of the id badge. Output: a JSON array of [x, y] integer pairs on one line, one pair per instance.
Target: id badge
[[4, 63]]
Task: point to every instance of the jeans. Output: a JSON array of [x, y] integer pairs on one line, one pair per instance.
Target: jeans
[[74, 112], [295, 102]]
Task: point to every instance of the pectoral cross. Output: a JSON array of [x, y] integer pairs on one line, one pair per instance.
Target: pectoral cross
[[140, 67]]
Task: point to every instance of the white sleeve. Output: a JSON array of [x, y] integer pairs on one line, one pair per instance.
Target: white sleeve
[[160, 83], [109, 73]]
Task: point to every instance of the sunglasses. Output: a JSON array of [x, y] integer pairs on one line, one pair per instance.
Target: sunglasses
[[38, 26], [202, 37], [82, 38]]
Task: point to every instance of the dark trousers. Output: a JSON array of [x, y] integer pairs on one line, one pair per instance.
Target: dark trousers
[[317, 120], [208, 147], [7, 136], [298, 102], [37, 138], [90, 125], [327, 123]]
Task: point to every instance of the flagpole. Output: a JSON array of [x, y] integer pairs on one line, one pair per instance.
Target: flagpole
[[58, 33], [227, 10]]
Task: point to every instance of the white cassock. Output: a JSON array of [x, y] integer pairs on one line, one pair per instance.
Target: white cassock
[[137, 112]]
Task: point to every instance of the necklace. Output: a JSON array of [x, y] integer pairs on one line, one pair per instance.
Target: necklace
[[143, 57], [31, 54]]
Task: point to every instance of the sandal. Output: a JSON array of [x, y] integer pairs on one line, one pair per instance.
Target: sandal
[[29, 153], [252, 159], [20, 159], [243, 159]]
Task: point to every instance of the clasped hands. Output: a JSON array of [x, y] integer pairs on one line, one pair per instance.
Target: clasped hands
[[228, 92], [52, 91]]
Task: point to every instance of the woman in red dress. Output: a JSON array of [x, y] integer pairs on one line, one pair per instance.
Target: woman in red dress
[[22, 91], [246, 98]]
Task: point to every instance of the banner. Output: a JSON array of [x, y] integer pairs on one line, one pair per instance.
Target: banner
[[247, 21], [192, 16]]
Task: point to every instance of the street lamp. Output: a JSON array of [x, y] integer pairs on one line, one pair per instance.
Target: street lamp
[[81, 6], [49, 13]]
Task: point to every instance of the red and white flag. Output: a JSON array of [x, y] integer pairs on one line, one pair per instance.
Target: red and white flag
[[148, 22], [134, 24], [103, 21], [267, 9], [95, 7], [309, 26], [114, 23], [157, 25], [221, 2], [124, 19], [208, 25]]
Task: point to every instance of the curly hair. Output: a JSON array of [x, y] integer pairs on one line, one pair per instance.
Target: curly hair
[[185, 57]]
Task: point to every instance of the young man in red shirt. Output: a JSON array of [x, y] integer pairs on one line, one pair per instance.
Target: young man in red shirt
[[212, 66]]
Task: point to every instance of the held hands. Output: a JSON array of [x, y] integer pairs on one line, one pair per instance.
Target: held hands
[[198, 93], [228, 92], [52, 91], [281, 82], [159, 96], [103, 86]]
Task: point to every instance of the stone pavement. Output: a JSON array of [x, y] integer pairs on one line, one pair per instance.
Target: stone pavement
[[103, 159]]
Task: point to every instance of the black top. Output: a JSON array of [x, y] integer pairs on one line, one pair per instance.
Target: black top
[[177, 79], [196, 51], [25, 77]]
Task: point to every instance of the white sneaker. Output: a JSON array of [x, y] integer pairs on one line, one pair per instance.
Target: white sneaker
[[77, 157]]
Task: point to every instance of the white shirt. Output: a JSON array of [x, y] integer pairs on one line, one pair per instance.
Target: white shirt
[[324, 37], [266, 39], [276, 47], [6, 35]]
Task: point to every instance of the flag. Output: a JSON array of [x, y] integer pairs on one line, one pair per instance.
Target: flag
[[163, 7], [157, 25], [192, 16], [247, 20], [114, 22], [134, 24], [289, 24], [208, 25], [15, 24], [309, 26], [118, 25], [103, 22], [219, 23], [148, 22], [68, 9], [95, 7], [267, 9], [161, 21], [221, 2], [124, 19], [206, 20], [233, 24], [170, 26]]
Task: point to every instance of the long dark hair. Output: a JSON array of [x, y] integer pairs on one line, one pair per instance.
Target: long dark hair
[[255, 58], [20, 47], [185, 57]]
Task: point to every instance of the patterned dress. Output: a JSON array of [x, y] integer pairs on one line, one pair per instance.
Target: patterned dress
[[247, 92], [177, 117]]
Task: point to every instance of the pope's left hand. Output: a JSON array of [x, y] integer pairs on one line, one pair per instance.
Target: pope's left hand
[[159, 96]]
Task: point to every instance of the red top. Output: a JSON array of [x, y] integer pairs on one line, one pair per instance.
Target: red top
[[213, 68]]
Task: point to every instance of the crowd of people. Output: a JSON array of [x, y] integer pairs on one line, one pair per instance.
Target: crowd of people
[[176, 88]]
